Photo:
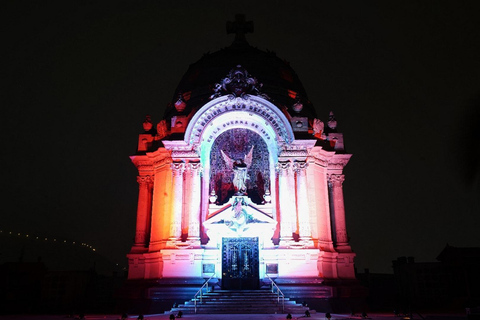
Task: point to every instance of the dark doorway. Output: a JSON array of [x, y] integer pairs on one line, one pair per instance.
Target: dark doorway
[[240, 263]]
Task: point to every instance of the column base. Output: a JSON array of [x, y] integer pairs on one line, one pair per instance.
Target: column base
[[307, 242], [194, 242], [138, 248], [286, 242], [343, 248]]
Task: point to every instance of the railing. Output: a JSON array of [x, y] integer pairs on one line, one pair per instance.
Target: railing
[[278, 292], [200, 292]]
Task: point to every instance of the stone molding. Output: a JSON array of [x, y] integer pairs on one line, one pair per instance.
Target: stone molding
[[251, 104], [184, 154]]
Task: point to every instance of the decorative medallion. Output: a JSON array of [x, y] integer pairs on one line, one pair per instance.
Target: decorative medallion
[[238, 83]]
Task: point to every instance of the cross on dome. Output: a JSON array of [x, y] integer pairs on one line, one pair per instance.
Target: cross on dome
[[240, 27]]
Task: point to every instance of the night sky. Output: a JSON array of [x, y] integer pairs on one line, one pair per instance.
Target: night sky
[[403, 80]]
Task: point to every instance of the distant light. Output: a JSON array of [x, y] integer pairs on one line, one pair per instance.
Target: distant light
[[36, 238], [26, 236], [64, 240], [46, 239], [93, 249], [73, 242], [54, 239], [10, 232], [18, 234]]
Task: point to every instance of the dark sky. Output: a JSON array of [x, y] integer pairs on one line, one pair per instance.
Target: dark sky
[[403, 79]]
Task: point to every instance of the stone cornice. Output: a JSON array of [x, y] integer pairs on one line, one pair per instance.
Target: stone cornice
[[184, 154], [338, 161], [321, 157]]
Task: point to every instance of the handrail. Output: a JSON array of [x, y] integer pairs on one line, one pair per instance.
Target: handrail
[[200, 291], [279, 292]]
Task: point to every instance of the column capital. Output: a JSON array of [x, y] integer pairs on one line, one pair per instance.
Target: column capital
[[144, 180], [282, 166], [178, 168], [300, 166], [194, 168], [335, 180]]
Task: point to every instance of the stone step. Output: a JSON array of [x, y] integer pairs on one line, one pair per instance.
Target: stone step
[[239, 302]]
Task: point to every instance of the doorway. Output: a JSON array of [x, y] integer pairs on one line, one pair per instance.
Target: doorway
[[240, 266]]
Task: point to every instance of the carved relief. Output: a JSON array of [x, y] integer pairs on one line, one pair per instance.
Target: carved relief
[[300, 167], [184, 154], [194, 168], [178, 168], [161, 130], [318, 127], [242, 104], [145, 181], [282, 167], [293, 153], [337, 163], [238, 83]]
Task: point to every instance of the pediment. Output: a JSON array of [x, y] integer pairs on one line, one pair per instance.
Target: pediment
[[240, 217]]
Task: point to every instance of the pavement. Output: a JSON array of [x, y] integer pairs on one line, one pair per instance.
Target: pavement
[[314, 316]]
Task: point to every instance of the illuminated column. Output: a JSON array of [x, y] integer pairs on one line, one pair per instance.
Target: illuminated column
[[194, 212], [335, 182], [144, 209], [302, 201], [283, 169], [176, 223]]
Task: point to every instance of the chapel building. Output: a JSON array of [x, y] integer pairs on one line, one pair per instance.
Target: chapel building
[[241, 182]]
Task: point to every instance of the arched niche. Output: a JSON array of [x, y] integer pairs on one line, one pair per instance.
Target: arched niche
[[238, 144], [226, 113]]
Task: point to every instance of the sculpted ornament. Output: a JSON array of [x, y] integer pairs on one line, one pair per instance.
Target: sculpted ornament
[[335, 180], [240, 168], [282, 166], [300, 166], [195, 167], [177, 168], [240, 217], [144, 180], [238, 83], [147, 124], [161, 129], [332, 122], [318, 127]]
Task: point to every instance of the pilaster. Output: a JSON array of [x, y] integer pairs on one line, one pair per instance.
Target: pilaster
[[303, 214], [335, 184], [176, 223], [286, 202], [194, 172], [144, 209]]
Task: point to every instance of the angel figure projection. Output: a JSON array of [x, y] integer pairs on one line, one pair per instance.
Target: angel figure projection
[[240, 168]]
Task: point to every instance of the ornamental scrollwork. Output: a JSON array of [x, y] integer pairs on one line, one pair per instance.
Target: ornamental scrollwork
[[300, 166], [238, 83], [335, 180], [282, 166], [145, 180]]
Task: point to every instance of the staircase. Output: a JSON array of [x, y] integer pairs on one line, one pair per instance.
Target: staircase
[[240, 302]]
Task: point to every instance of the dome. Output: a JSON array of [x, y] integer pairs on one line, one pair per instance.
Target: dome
[[274, 80]]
